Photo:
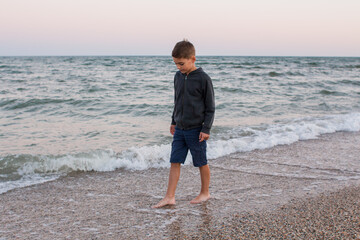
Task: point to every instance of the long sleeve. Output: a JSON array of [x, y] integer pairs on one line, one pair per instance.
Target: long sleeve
[[209, 101], [173, 113]]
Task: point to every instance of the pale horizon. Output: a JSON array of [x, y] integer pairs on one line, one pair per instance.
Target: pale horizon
[[151, 28], [154, 55]]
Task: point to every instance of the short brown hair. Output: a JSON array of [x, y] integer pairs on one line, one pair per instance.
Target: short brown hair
[[183, 49]]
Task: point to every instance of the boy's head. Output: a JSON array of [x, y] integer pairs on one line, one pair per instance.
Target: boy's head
[[183, 49], [184, 56]]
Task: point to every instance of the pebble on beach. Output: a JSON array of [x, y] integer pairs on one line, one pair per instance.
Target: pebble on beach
[[334, 215]]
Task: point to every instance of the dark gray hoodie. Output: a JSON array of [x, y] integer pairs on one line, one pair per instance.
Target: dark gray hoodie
[[194, 101]]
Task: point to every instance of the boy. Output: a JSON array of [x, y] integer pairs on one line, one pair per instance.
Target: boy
[[192, 119]]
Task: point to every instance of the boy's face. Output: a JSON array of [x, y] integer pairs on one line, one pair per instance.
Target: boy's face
[[185, 65]]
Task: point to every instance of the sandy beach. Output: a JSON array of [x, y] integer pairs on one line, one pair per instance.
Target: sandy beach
[[277, 201]]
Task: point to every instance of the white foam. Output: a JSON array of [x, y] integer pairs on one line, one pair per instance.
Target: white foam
[[284, 133], [101, 160], [25, 181], [158, 156], [141, 158]]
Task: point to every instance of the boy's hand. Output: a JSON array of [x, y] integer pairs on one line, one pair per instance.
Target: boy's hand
[[203, 136], [172, 129]]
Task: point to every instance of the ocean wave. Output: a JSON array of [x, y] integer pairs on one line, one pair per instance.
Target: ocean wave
[[233, 90], [7, 102], [334, 93], [12, 104], [295, 74], [284, 133], [19, 104], [275, 74], [350, 82], [157, 156], [352, 66], [25, 181], [314, 64]]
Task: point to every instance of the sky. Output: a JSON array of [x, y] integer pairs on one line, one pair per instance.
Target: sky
[[152, 27]]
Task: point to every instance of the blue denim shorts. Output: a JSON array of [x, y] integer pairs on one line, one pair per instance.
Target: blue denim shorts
[[184, 140]]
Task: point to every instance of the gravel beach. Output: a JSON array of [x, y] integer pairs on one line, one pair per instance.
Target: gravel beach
[[332, 215], [283, 192]]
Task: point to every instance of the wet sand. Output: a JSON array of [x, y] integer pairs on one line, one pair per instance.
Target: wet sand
[[307, 189]]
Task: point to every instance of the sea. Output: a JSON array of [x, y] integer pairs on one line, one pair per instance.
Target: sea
[[65, 114]]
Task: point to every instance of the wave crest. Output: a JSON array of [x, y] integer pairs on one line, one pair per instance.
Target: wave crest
[[157, 156]]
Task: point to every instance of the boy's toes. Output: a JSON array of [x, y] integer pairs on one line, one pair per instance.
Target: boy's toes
[[199, 199], [164, 202]]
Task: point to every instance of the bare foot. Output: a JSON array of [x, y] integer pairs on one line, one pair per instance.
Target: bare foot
[[166, 201], [201, 198]]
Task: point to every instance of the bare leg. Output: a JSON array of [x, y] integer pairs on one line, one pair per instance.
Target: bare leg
[[174, 176], [205, 182]]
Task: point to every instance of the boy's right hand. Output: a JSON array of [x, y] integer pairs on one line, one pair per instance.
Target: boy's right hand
[[172, 129]]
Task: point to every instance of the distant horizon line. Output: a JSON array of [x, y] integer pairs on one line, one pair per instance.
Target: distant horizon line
[[155, 55]]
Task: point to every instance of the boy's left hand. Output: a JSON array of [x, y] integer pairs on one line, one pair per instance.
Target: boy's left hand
[[203, 136]]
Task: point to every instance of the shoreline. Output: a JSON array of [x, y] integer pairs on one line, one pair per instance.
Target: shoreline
[[252, 193]]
